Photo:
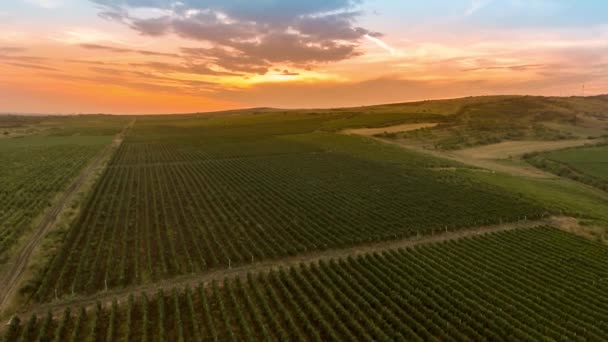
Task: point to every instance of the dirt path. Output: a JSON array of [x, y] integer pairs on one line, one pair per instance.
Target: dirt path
[[193, 280], [509, 149], [390, 129], [13, 276]]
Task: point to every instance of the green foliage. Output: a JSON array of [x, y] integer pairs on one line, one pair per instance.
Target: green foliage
[[374, 120], [33, 170], [528, 284], [588, 165], [77, 332], [45, 328], [192, 203], [12, 333], [29, 332], [558, 195], [63, 326]]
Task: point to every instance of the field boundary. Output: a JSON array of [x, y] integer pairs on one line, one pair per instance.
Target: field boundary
[[192, 280], [17, 266]]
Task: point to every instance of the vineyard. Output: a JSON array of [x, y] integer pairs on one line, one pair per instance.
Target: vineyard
[[190, 202], [32, 171], [529, 284]]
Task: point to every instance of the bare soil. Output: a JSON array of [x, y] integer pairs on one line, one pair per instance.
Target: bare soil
[[390, 129], [511, 149]]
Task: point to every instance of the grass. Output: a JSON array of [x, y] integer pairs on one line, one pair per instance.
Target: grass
[[592, 161], [501, 119], [588, 165], [559, 194], [33, 171]]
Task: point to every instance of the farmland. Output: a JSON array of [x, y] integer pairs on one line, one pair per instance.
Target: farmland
[[189, 195], [586, 164], [35, 168], [530, 284], [319, 212], [191, 170]]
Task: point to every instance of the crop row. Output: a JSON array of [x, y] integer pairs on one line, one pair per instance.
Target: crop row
[[147, 222], [31, 178], [154, 221], [534, 284]]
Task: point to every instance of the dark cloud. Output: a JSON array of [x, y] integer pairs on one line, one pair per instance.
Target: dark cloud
[[234, 60], [250, 36], [331, 26], [286, 72], [272, 12], [123, 50]]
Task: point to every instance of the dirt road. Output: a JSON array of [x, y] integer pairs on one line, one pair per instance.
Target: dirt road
[[11, 279], [193, 280], [512, 149], [390, 129]]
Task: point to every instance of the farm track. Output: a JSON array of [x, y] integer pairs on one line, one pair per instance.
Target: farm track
[[13, 276], [193, 280]]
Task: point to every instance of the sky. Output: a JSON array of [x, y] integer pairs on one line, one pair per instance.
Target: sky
[[167, 56]]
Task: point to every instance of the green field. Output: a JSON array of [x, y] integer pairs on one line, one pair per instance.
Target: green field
[[39, 163], [186, 195], [592, 161], [532, 284], [588, 165], [190, 198]]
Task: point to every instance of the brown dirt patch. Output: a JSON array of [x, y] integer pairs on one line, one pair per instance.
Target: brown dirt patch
[[390, 129], [508, 149]]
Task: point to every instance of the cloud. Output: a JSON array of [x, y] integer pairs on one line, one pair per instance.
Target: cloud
[[89, 62], [475, 6], [46, 3], [235, 61], [188, 68], [21, 58], [286, 72], [87, 35], [134, 79], [521, 67], [123, 50], [11, 49], [382, 44], [250, 36], [31, 66]]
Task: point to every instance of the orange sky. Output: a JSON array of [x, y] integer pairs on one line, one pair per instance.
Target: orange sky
[[114, 56]]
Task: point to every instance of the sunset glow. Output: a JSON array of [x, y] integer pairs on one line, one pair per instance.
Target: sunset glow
[[145, 56]]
